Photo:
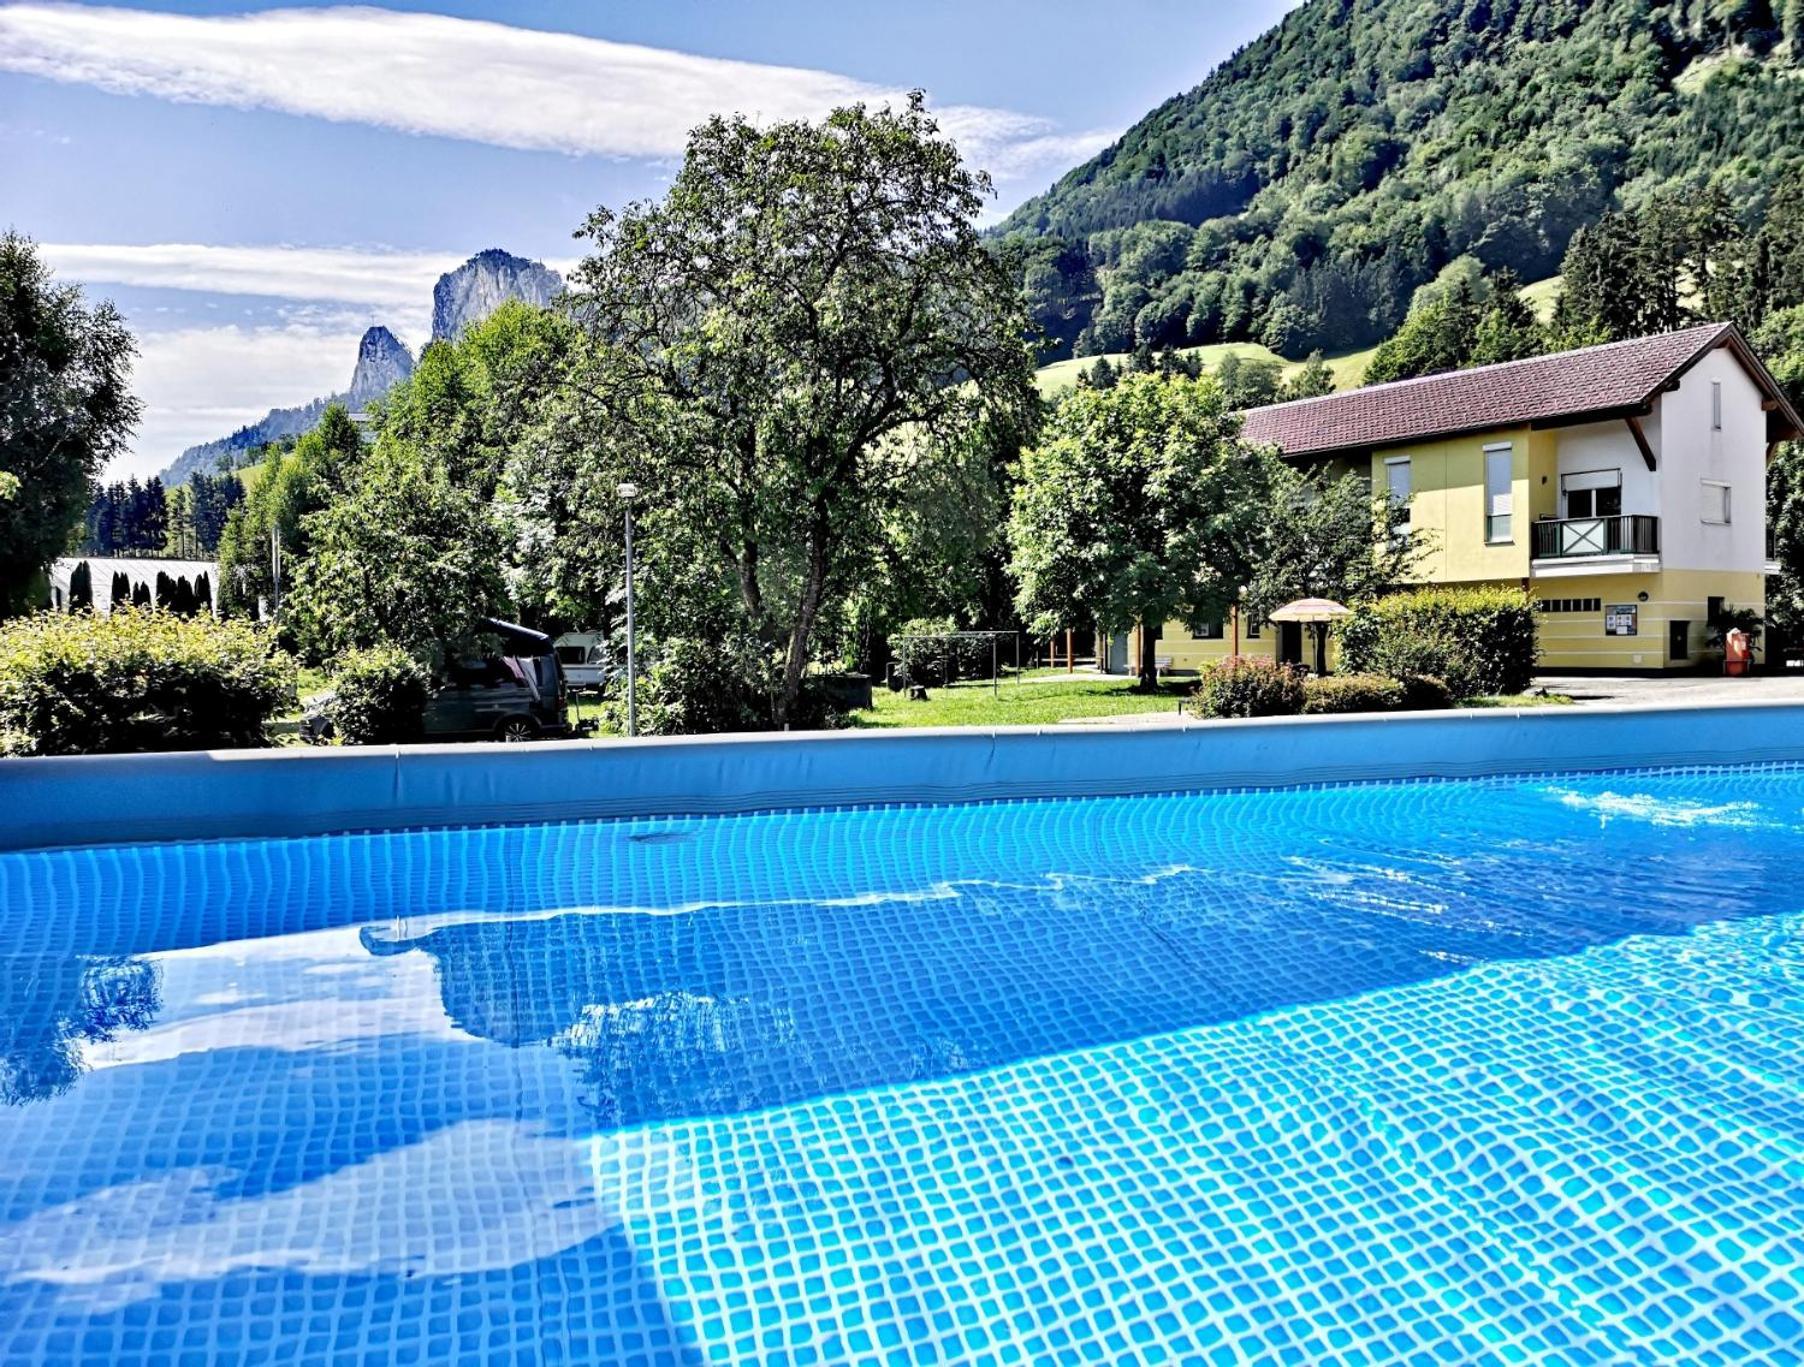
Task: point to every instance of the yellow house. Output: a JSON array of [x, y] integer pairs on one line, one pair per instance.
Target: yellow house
[[1624, 486]]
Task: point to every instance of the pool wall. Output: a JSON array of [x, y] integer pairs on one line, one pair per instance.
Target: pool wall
[[115, 799]]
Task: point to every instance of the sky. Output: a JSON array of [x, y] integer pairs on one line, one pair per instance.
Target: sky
[[255, 185]]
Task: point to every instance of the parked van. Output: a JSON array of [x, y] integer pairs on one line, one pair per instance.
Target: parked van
[[514, 697]]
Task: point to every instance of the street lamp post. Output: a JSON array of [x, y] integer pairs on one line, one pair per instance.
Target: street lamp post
[[629, 491]]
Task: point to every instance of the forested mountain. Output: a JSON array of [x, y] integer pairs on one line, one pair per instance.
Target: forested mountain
[[1301, 194]]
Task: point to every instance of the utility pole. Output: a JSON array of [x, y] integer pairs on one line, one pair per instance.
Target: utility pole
[[275, 573], [629, 491]]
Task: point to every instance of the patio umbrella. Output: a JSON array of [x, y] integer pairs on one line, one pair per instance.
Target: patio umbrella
[[1318, 612]]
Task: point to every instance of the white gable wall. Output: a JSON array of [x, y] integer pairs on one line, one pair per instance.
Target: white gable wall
[[1693, 451], [1610, 446]]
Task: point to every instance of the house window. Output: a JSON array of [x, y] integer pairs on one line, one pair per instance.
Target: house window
[[1715, 502], [1209, 631], [1499, 484], [1252, 629], [1592, 493], [1571, 605], [1396, 476], [1716, 404]]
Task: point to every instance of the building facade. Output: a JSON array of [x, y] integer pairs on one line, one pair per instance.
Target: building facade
[[1623, 486]]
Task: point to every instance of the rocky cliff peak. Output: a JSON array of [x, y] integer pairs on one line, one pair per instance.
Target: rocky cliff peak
[[483, 284], [382, 363]]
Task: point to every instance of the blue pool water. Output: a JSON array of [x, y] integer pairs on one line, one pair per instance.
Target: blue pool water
[[1499, 1071]]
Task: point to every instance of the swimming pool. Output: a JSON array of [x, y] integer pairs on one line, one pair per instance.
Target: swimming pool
[[1492, 1070]]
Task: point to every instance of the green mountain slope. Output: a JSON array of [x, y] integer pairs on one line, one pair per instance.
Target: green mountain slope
[[1300, 194]]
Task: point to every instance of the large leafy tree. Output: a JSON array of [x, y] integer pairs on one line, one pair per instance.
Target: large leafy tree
[[1330, 538], [407, 557], [65, 411], [1140, 505], [808, 309], [285, 489]]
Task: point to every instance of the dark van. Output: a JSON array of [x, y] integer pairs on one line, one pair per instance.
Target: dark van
[[518, 696]]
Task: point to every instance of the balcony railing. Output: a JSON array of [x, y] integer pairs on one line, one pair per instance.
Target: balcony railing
[[1623, 534]]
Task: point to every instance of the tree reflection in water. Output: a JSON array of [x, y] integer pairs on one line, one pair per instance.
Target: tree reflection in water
[[51, 1007]]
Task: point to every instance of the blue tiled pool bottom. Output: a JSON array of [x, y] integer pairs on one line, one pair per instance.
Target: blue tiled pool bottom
[[1498, 1071]]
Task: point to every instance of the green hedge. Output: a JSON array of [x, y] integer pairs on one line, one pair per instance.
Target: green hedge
[[78, 684], [379, 697], [1242, 687], [1476, 640], [1352, 693]]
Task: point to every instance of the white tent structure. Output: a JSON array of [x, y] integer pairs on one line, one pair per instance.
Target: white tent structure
[[141, 577]]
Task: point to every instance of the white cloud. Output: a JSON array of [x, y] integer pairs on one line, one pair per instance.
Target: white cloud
[[469, 79], [202, 383], [392, 287], [199, 383], [397, 282]]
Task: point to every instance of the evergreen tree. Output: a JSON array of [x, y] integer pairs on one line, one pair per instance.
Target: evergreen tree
[[1313, 381], [1102, 375], [1247, 383], [1507, 329], [1437, 337]]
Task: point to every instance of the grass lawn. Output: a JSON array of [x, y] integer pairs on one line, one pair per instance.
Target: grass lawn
[[1024, 702], [1349, 368], [1521, 700]]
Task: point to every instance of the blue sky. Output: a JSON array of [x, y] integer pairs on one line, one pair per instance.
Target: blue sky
[[256, 184]]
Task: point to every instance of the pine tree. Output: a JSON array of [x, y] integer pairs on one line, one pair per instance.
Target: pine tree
[[1313, 381], [1507, 329]]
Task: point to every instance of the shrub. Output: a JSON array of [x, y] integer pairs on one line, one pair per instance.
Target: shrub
[[698, 688], [1477, 640], [379, 697], [1241, 687], [1424, 693], [927, 661], [1352, 693], [136, 681]]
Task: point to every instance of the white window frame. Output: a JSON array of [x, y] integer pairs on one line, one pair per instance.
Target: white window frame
[[1391, 465], [1707, 490], [1716, 405], [1587, 481], [1500, 505]]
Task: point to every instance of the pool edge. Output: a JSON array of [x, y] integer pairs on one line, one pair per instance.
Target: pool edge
[[124, 799]]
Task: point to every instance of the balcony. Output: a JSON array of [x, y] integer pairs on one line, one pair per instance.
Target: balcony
[[1622, 534]]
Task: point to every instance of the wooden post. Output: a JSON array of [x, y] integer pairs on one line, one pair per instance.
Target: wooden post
[[1234, 612], [1070, 649]]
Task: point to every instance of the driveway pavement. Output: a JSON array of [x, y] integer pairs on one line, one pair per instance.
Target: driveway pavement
[[1646, 690], [1680, 690]]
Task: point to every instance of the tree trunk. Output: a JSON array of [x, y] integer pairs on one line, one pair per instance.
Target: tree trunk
[[1149, 660], [807, 610]]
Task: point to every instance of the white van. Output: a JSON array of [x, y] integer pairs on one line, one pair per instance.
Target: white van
[[584, 657]]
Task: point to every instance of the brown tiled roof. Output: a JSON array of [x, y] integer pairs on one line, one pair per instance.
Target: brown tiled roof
[[1616, 377]]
